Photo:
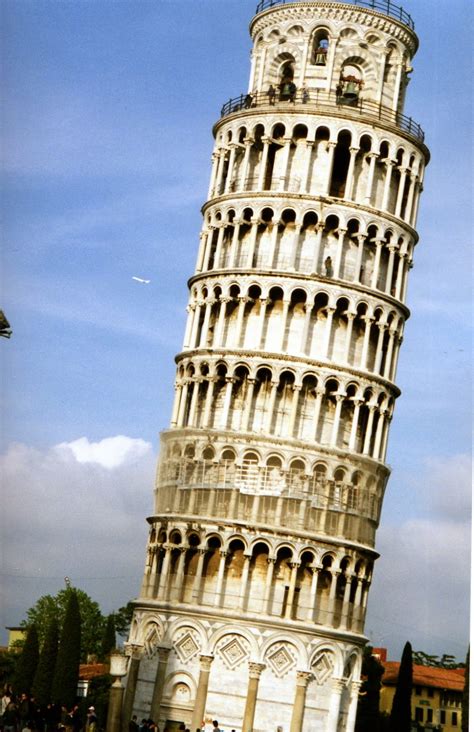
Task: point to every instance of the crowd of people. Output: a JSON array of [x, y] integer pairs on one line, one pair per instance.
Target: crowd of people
[[22, 713], [147, 725]]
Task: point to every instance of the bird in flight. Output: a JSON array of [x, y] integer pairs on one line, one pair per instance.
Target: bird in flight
[[140, 279]]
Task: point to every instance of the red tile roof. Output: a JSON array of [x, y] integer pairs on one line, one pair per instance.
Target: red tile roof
[[90, 670], [438, 678]]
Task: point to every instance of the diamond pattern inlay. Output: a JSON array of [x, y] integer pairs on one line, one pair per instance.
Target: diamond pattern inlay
[[281, 659], [233, 652], [186, 647], [323, 667]]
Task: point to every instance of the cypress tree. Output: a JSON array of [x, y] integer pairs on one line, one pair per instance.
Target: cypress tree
[[43, 679], [400, 716], [108, 639], [66, 672], [465, 697], [27, 663]]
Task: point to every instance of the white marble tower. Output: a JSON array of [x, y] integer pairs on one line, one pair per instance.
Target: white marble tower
[[272, 473]]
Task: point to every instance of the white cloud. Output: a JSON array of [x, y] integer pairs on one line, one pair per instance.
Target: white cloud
[[111, 452], [421, 581], [77, 509]]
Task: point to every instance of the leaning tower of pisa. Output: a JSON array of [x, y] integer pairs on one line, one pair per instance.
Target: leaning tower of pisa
[[272, 473]]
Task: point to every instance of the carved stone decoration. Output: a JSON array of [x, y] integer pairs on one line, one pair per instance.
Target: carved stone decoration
[[186, 646], [234, 650], [152, 640], [323, 667], [281, 659]]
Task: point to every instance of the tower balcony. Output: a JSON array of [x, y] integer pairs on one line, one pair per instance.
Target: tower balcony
[[386, 7], [318, 101]]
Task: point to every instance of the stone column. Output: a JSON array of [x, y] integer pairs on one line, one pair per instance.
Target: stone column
[[391, 257], [308, 309], [327, 335], [388, 178], [220, 321], [227, 399], [273, 241], [261, 321], [331, 147], [271, 406], [177, 396], [255, 670], [248, 405], [220, 171], [317, 410], [317, 248], [401, 189], [340, 248], [230, 169], [114, 715], [159, 684], [268, 585], [313, 594], [378, 351], [253, 239], [245, 164], [205, 326], [378, 252], [220, 578], [365, 345], [350, 173], [198, 576], [350, 324], [370, 179], [134, 651], [337, 418], [263, 162], [201, 693], [334, 705], [360, 253], [305, 180], [398, 81], [332, 596], [368, 431], [294, 245], [243, 300], [352, 711], [208, 403], [400, 275], [196, 381], [234, 247], [302, 680], [411, 192], [215, 162], [189, 323], [286, 159], [378, 434], [284, 322], [164, 571], [291, 591], [355, 422], [294, 409], [218, 252], [244, 580], [388, 358], [194, 329]]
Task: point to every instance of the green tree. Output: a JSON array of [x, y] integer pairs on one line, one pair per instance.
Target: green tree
[[66, 672], [49, 606], [108, 639], [368, 711], [123, 618], [465, 697], [27, 662], [400, 716], [43, 679]]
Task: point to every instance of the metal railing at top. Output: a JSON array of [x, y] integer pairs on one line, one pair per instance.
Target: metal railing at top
[[387, 7], [315, 100]]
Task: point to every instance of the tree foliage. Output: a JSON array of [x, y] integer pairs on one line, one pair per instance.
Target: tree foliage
[[368, 711], [108, 639], [43, 679], [27, 663], [66, 672], [446, 661], [93, 622], [400, 717], [123, 618]]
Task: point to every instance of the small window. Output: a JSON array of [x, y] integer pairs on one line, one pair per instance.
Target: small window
[[442, 716], [430, 692], [419, 714], [418, 690], [429, 715], [454, 719]]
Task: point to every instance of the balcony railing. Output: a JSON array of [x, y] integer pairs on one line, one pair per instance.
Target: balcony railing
[[382, 6], [316, 100]]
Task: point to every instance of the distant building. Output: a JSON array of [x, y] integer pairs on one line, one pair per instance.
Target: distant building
[[15, 634], [436, 698]]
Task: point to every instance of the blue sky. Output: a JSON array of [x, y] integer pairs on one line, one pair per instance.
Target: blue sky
[[108, 109]]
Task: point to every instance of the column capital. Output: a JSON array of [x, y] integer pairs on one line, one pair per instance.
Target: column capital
[[205, 662], [354, 150], [303, 678], [134, 650], [163, 653], [338, 684], [255, 669]]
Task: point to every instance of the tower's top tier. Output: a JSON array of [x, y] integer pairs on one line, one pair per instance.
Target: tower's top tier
[[359, 51]]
